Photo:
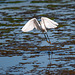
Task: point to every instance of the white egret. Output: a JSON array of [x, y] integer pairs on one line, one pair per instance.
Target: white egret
[[45, 23]]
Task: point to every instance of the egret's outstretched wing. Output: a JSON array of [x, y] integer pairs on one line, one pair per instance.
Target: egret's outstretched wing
[[30, 25], [49, 23]]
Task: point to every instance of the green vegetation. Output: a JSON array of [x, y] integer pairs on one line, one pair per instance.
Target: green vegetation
[[12, 8], [47, 1], [48, 6], [39, 1], [12, 1], [15, 1], [12, 20]]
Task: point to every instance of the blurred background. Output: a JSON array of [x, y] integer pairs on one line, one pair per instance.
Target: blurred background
[[29, 53]]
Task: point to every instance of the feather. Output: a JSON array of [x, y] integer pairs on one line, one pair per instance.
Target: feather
[[30, 25], [49, 23]]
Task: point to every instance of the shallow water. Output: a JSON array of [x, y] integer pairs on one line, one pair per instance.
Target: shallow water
[[29, 53]]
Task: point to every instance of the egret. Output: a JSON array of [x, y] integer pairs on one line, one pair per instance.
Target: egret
[[44, 23]]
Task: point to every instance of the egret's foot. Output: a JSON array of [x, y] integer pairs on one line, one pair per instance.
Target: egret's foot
[[49, 42]]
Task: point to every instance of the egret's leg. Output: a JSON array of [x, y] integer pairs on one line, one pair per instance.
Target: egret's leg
[[47, 38]]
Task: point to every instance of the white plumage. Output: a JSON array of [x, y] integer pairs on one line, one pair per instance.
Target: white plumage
[[45, 23]]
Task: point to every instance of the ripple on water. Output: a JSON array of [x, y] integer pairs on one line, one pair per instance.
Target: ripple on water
[[29, 53]]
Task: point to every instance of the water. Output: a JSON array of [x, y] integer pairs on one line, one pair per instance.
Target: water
[[29, 53]]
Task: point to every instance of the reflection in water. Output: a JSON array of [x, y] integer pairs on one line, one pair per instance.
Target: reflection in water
[[48, 69]]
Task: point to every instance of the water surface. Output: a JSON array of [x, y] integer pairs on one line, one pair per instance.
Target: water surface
[[29, 53]]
